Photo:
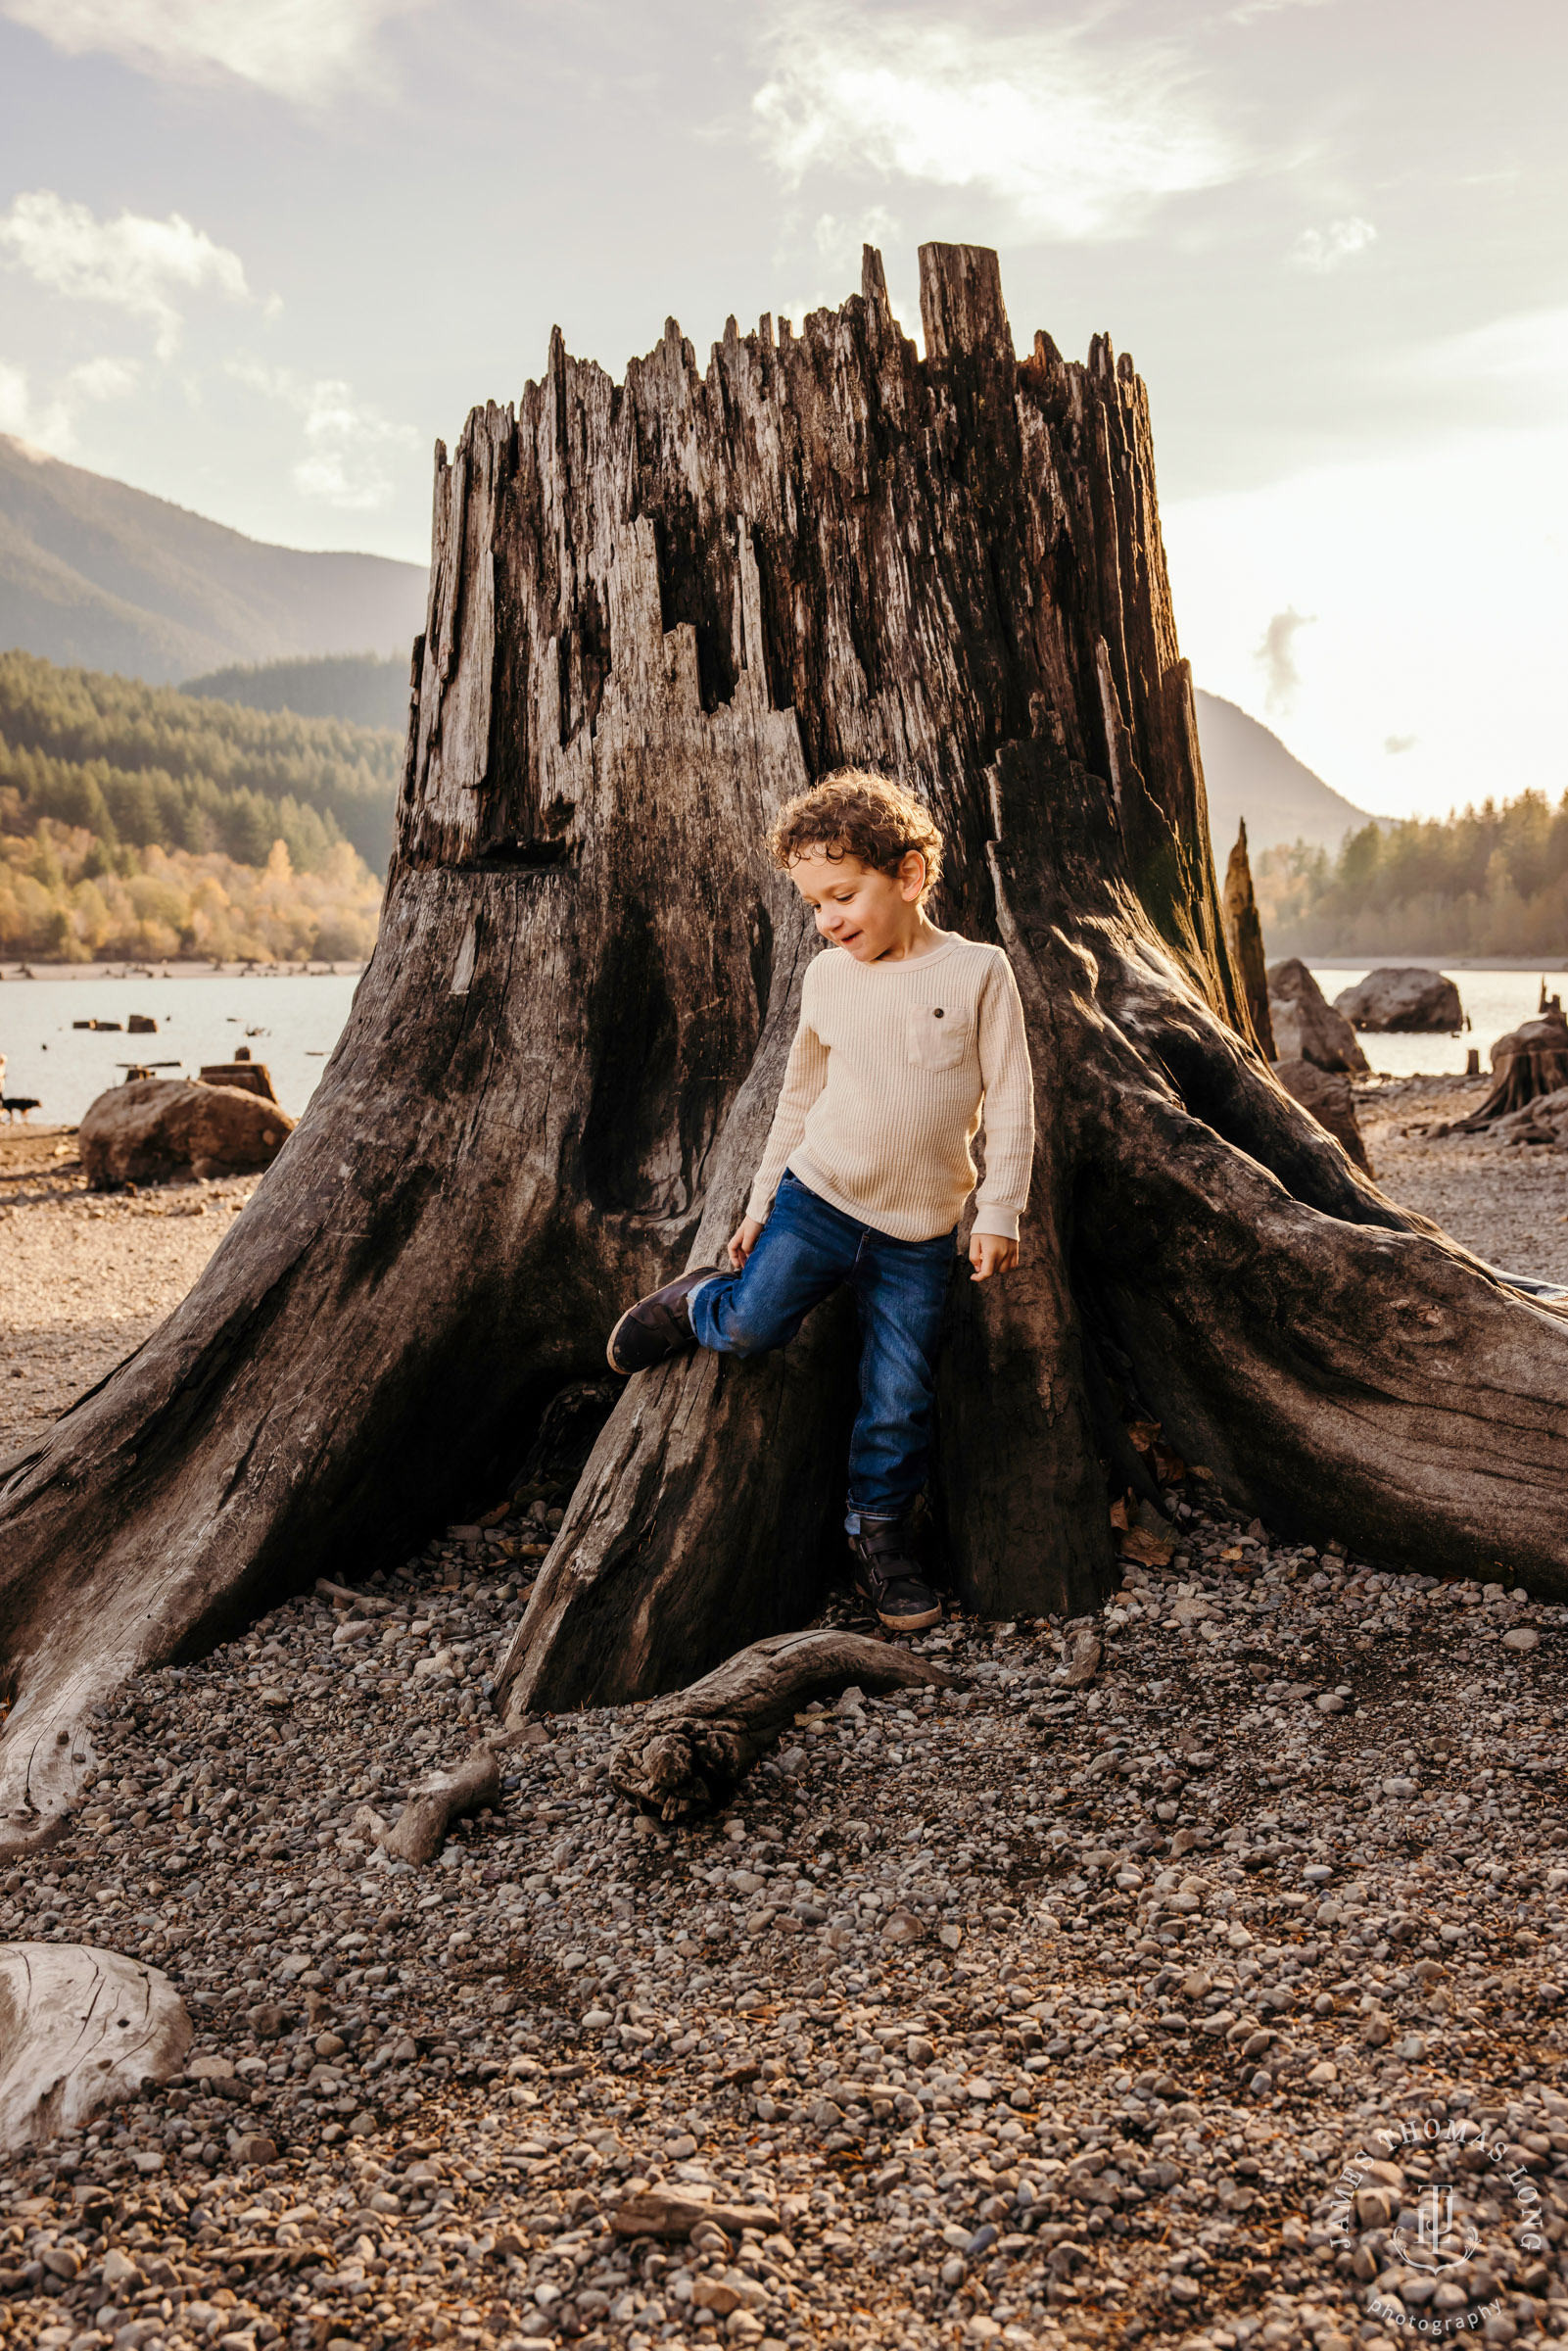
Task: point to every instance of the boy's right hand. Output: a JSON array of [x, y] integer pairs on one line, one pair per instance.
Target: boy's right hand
[[742, 1241]]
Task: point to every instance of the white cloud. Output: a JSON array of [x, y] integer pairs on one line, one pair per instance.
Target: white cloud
[[347, 441], [1323, 249], [15, 408], [303, 50], [51, 425], [132, 264], [1276, 656], [1523, 349], [1077, 142], [1249, 10]]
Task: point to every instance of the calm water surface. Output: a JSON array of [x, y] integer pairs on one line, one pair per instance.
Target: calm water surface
[[1495, 1002], [290, 1023], [293, 1022]]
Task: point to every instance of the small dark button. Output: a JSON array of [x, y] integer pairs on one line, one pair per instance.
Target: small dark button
[[938, 1012]]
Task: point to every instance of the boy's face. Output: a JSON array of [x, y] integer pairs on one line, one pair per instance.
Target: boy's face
[[859, 907]]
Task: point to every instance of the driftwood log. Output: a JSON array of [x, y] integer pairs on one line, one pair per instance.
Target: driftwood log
[[80, 2029], [1244, 935], [689, 1753], [679, 2212], [437, 1800], [657, 608]]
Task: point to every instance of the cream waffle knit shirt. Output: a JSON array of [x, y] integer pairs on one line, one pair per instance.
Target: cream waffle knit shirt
[[893, 1068]]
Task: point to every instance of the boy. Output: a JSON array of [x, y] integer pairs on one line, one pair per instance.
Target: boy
[[906, 1031]]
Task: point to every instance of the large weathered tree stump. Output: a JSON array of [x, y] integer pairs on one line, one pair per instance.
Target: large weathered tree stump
[[655, 609]]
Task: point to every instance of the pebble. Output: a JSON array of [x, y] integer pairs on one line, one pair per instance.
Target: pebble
[[1101, 2009], [1032, 2014]]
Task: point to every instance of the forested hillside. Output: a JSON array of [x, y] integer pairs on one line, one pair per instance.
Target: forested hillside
[[147, 764], [355, 685], [1492, 880], [138, 820]]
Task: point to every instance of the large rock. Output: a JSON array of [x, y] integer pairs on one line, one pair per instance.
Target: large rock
[[1306, 1026], [156, 1128], [1329, 1099], [1405, 998]]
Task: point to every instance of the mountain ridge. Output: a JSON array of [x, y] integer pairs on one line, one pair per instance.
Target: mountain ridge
[[1250, 773], [96, 575]]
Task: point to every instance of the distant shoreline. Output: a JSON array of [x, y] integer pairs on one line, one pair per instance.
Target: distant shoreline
[[185, 968], [177, 968], [1547, 965]]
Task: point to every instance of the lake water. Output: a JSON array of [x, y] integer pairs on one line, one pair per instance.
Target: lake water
[[292, 1022], [1495, 1002]]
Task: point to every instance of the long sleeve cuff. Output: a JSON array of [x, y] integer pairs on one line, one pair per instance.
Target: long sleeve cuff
[[1003, 1221]]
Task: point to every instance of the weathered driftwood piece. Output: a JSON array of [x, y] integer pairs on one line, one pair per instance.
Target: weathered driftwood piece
[[1527, 1064], [655, 609], [668, 2210], [689, 1753], [80, 2029], [1244, 935], [437, 1800]]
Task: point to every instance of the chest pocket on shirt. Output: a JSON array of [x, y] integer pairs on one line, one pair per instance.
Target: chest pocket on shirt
[[935, 1036]]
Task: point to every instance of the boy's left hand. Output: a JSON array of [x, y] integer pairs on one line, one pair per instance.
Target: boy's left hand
[[991, 1253]]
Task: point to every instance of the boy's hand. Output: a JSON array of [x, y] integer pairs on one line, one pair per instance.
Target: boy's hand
[[991, 1253], [742, 1241]]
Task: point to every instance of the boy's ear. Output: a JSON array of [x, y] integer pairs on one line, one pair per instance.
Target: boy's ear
[[912, 872]]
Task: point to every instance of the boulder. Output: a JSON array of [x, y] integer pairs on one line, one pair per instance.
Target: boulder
[[155, 1127], [1306, 1026], [1403, 999], [1329, 1098]]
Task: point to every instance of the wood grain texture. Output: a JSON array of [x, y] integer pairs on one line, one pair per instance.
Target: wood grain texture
[[686, 1753], [1244, 935], [80, 2029]]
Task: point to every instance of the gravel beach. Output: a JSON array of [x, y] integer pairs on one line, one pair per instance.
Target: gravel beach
[[1215, 2002]]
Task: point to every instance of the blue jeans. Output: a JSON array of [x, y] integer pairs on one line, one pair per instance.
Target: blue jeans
[[805, 1250]]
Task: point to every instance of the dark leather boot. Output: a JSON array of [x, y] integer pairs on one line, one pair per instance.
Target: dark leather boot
[[657, 1326], [890, 1574]]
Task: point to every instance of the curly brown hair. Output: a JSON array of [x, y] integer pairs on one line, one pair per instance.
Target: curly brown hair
[[853, 813]]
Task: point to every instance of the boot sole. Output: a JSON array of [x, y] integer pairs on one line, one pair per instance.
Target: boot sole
[[630, 1371], [911, 1624], [624, 1370], [915, 1622]]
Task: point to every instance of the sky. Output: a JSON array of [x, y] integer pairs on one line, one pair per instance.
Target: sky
[[255, 255]]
